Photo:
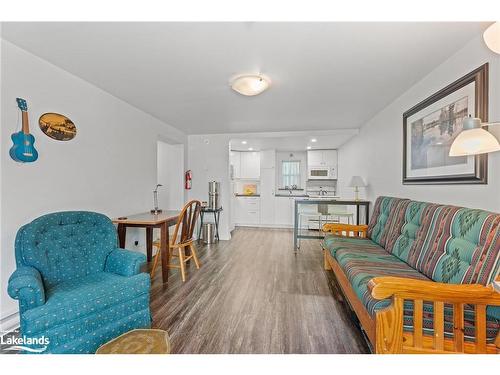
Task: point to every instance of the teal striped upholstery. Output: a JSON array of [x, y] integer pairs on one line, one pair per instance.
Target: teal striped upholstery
[[387, 218], [424, 241]]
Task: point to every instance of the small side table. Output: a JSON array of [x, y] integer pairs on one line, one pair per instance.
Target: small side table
[[138, 341], [216, 212]]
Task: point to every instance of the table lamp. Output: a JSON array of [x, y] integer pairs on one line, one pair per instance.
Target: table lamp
[[356, 183]]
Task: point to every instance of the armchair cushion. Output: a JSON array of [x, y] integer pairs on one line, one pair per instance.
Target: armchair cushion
[[124, 262], [66, 245], [77, 299], [26, 285]]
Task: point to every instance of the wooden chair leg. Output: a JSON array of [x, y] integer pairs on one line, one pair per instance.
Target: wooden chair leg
[[155, 264], [182, 264], [195, 256]]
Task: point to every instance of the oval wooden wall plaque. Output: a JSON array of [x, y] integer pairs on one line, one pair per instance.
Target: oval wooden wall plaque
[[57, 126]]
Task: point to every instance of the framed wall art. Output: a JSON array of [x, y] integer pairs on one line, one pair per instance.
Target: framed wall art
[[57, 126], [430, 127]]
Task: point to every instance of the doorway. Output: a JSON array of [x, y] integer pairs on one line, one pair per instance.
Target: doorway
[[170, 174]]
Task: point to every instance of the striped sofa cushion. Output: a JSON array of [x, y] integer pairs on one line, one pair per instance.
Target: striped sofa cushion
[[361, 260], [457, 245], [387, 218], [412, 226]]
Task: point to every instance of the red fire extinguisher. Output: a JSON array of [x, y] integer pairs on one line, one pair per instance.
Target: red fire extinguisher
[[188, 176]]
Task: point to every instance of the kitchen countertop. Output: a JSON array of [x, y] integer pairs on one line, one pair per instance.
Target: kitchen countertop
[[292, 195], [247, 195], [337, 200]]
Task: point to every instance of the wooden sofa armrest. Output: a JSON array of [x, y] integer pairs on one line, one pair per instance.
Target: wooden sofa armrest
[[346, 230], [387, 286], [390, 335]]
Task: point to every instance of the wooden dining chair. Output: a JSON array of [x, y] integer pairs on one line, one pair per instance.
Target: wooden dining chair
[[181, 239]]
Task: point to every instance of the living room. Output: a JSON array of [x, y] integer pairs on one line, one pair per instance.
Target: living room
[[204, 187]]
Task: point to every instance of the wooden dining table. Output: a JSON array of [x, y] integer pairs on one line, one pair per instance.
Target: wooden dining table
[[149, 221]]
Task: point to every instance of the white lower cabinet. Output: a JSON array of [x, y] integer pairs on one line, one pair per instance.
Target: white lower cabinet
[[284, 207], [247, 210], [267, 211]]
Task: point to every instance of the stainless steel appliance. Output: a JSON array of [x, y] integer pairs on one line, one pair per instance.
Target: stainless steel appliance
[[213, 195]]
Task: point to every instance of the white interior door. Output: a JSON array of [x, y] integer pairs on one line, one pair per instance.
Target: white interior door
[[170, 173]]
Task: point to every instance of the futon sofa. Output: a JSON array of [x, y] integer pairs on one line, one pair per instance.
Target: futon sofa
[[419, 276], [74, 286]]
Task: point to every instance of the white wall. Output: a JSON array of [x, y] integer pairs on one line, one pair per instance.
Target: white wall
[[109, 167], [208, 159], [170, 162], [376, 153]]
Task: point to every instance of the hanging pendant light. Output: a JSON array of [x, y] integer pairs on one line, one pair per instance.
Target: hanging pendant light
[[474, 140]]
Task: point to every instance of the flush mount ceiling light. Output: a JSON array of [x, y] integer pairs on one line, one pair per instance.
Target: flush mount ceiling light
[[314, 140], [491, 37], [250, 84], [243, 142]]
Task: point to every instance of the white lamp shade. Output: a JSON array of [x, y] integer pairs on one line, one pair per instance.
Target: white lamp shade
[[250, 85], [473, 142], [357, 181], [492, 37]]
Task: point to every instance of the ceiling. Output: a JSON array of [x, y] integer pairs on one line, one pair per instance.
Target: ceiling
[[317, 141], [324, 75]]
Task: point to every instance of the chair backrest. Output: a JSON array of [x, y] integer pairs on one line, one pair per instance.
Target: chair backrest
[[186, 223], [66, 245]]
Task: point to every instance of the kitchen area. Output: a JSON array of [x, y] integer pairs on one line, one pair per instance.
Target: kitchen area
[[267, 179]]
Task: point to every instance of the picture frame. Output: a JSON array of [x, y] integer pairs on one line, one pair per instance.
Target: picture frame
[[430, 127]]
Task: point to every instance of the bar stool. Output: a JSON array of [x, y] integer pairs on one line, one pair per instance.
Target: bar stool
[[181, 239], [341, 212]]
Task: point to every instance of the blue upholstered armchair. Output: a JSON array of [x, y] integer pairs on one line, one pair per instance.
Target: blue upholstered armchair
[[74, 286]]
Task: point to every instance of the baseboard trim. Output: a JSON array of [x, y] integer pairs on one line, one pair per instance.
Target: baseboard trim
[[275, 226]]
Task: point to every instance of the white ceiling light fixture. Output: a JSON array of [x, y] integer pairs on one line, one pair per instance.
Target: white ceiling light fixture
[[250, 149], [243, 142], [314, 140], [474, 140], [250, 84], [491, 37], [308, 147]]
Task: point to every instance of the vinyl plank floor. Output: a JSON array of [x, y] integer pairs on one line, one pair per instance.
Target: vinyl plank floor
[[253, 294]]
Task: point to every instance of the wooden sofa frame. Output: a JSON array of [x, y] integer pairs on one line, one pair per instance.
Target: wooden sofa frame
[[386, 333]]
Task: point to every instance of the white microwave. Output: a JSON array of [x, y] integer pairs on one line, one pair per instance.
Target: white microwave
[[321, 173]]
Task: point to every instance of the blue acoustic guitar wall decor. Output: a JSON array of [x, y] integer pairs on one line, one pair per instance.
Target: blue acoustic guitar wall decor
[[23, 150]]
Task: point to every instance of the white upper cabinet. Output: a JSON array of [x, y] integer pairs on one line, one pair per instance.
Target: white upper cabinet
[[321, 158], [250, 165], [314, 158], [268, 159]]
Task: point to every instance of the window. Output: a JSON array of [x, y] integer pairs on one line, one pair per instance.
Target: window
[[290, 173]]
